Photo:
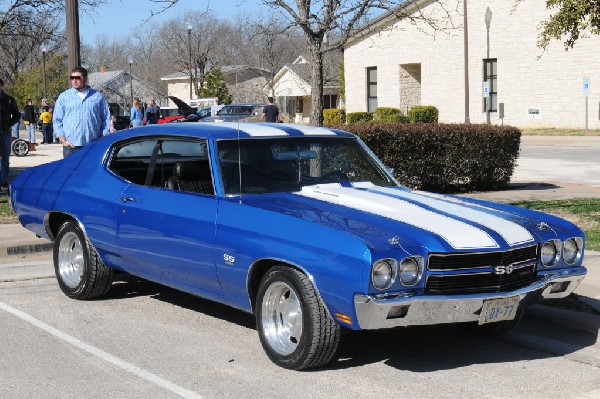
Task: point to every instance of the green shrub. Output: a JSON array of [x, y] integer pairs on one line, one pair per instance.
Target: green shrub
[[444, 158], [333, 116], [359, 117], [386, 114], [423, 114]]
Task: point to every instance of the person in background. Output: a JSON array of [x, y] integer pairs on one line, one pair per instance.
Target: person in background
[[29, 120], [81, 114], [151, 114], [46, 119], [136, 113], [15, 128], [9, 115], [216, 107], [270, 112], [113, 120]]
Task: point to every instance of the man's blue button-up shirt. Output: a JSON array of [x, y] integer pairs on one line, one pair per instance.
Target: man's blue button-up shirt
[[80, 121]]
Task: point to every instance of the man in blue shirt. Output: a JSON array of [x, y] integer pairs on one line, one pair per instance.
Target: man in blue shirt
[[81, 114]]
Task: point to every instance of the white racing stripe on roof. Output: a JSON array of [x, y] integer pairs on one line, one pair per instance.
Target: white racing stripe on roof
[[458, 234], [311, 130], [512, 233], [254, 129]]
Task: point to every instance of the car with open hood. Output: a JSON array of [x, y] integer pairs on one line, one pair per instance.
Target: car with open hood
[[301, 226]]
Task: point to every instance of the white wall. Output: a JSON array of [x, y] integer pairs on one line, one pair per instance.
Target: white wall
[[553, 83]]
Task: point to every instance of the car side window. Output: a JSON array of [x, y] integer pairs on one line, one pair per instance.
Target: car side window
[[178, 164]]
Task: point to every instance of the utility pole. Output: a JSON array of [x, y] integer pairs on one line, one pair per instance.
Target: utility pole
[[466, 49], [73, 43]]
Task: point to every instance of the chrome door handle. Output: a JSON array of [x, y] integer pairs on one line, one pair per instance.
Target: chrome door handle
[[127, 199]]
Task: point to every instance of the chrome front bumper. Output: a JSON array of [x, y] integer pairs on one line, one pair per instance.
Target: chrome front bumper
[[396, 310]]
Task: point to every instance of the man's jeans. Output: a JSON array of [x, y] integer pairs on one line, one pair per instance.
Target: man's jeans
[[31, 130], [15, 129], [5, 144]]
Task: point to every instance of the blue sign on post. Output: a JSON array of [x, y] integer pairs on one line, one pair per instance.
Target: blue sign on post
[[586, 86]]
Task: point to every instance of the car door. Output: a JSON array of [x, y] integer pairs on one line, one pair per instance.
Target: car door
[[167, 235]]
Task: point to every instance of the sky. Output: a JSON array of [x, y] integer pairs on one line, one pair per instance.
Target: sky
[[118, 18]]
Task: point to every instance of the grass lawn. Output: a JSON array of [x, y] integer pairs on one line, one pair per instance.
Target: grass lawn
[[6, 214], [584, 212]]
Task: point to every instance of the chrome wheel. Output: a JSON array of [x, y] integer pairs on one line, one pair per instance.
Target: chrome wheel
[[71, 261], [281, 318], [20, 147]]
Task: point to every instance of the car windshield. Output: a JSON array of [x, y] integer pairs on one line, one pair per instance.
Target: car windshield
[[236, 110], [288, 164]]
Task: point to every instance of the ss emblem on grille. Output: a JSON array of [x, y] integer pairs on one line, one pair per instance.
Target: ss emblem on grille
[[503, 269]]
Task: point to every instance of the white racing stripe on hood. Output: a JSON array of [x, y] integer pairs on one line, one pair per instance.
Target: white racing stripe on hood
[[512, 233], [459, 235]]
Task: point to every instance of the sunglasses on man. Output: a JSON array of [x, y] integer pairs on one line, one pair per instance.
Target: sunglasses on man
[[75, 77]]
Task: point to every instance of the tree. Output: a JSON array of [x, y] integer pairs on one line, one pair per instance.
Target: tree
[[206, 39], [269, 44], [214, 86], [29, 84], [318, 20], [573, 18], [322, 19]]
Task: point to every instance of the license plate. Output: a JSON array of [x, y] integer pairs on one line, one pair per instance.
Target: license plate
[[499, 310]]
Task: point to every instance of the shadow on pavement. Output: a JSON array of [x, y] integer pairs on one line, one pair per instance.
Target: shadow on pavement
[[417, 349]]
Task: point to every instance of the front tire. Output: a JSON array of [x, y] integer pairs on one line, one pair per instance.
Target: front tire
[[294, 327], [78, 268]]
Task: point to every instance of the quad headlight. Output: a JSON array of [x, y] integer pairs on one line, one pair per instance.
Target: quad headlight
[[550, 253], [411, 270], [383, 273], [572, 250]]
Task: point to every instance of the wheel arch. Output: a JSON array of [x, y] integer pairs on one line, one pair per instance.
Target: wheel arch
[[260, 267], [53, 221]]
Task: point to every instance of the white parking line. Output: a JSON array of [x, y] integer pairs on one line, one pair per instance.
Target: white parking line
[[131, 368]]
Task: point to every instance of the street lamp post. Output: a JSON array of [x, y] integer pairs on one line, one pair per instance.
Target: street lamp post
[[189, 33], [44, 48], [488, 20], [130, 62]]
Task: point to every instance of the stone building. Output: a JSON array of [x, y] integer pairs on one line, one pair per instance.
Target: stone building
[[395, 63]]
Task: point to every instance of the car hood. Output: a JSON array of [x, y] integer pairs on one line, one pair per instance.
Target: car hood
[[391, 216]]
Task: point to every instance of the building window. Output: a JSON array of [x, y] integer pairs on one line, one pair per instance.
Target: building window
[[490, 75], [371, 89], [329, 101]]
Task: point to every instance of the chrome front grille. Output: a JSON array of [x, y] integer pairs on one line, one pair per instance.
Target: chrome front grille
[[482, 259], [480, 282], [474, 272]]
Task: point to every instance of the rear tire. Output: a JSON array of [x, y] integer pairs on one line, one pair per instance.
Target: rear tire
[[79, 270], [294, 327]]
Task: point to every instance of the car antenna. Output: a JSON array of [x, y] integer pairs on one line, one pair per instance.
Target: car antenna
[[239, 161]]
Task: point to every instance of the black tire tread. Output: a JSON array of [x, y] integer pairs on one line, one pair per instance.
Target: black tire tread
[[97, 278], [326, 333], [325, 338]]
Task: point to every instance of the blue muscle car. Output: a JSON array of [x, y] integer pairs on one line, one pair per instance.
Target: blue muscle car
[[302, 226]]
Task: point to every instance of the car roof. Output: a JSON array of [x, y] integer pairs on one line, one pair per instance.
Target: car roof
[[227, 130]]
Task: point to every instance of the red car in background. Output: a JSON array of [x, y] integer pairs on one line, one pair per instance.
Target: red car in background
[[169, 114]]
